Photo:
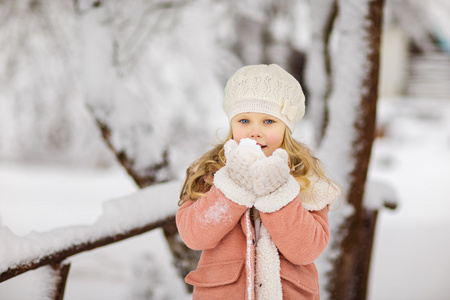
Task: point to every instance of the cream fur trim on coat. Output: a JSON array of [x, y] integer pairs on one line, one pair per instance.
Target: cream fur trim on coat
[[267, 275], [248, 265], [279, 198]]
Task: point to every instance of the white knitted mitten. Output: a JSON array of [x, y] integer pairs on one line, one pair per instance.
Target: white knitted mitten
[[234, 179], [273, 183]]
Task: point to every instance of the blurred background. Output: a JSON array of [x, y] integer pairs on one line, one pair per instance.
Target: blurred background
[[154, 71]]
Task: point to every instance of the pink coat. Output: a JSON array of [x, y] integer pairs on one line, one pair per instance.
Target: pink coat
[[221, 228]]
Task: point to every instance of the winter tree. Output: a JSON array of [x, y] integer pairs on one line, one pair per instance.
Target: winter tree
[[346, 145]]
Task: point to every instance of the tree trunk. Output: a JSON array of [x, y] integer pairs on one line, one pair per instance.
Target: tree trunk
[[348, 278]]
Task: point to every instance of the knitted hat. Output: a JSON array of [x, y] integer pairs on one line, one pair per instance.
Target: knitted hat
[[265, 89]]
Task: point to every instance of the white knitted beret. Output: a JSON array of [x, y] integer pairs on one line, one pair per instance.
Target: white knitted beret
[[267, 89]]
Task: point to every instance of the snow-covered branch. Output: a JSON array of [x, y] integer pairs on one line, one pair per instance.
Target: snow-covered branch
[[378, 195], [121, 218], [318, 68]]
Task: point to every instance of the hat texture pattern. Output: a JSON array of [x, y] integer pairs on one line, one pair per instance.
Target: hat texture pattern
[[267, 89]]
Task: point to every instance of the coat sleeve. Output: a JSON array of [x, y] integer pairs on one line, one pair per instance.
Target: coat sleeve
[[202, 224], [300, 235]]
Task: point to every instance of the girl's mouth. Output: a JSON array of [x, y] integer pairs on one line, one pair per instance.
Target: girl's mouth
[[262, 146]]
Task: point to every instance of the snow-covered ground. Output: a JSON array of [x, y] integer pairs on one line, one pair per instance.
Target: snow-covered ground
[[410, 258]]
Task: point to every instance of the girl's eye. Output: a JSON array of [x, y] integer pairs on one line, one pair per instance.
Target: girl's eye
[[268, 121], [244, 121]]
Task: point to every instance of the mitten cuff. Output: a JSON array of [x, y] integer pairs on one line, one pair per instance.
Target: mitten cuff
[[232, 190], [279, 198], [320, 194]]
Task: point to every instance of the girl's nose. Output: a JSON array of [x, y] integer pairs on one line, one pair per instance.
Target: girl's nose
[[256, 132]]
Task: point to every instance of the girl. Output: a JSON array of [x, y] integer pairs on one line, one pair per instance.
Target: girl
[[257, 205]]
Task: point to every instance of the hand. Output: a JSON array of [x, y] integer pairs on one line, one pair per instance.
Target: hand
[[240, 158], [273, 183], [270, 173], [234, 179]]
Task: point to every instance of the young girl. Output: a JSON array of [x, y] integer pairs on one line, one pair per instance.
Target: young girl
[[257, 205]]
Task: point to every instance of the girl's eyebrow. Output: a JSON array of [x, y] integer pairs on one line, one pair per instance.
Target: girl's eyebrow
[[244, 116]]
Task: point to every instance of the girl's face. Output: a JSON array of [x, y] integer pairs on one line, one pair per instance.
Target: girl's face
[[266, 130]]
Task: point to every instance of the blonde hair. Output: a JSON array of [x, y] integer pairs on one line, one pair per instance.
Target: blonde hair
[[302, 162]]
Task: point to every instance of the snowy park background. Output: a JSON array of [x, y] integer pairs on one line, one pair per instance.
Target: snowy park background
[[410, 258], [56, 172]]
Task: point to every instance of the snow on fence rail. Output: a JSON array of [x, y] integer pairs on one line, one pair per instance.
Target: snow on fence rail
[[122, 218]]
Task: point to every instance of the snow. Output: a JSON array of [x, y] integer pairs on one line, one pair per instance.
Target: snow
[[155, 77], [45, 288], [217, 213], [113, 272], [377, 194], [118, 216], [410, 258], [316, 76]]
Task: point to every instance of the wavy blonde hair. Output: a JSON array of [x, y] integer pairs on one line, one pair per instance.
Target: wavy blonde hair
[[302, 162]]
